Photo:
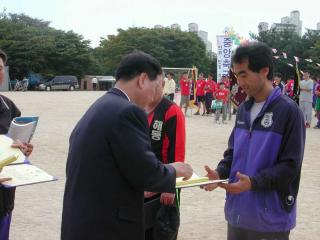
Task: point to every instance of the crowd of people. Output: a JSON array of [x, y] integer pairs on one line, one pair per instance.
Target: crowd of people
[[210, 97], [308, 95], [215, 98]]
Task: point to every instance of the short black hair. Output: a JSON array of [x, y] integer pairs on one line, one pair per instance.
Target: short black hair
[[135, 63], [3, 56], [171, 74], [258, 54], [279, 75]]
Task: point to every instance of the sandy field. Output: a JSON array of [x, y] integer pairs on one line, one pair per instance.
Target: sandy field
[[37, 213]]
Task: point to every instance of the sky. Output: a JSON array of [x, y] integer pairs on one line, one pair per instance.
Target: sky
[[94, 19]]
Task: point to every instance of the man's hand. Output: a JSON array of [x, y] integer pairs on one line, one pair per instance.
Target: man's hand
[[243, 185], [149, 194], [167, 198], [212, 175], [4, 179], [182, 170], [26, 148]]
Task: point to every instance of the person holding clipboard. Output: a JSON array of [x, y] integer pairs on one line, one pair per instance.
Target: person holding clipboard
[[8, 111]]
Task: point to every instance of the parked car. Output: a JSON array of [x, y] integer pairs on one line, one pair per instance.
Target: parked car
[[60, 83]]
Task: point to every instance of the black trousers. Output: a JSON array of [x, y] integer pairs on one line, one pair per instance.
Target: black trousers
[[244, 234], [208, 99]]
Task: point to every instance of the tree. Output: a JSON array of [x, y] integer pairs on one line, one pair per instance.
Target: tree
[[305, 47], [33, 46], [173, 48]]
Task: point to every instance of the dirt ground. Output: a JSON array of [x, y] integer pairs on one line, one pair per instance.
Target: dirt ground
[[37, 213]]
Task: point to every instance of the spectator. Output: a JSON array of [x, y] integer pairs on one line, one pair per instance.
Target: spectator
[[185, 84], [94, 83], [170, 86], [306, 98], [221, 96], [200, 94], [210, 89]]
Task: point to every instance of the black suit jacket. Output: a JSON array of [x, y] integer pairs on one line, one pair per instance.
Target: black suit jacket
[[110, 164]]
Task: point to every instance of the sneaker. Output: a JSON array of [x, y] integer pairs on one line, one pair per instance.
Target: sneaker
[[197, 113], [307, 125]]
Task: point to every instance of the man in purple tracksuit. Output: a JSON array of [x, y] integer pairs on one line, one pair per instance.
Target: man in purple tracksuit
[[264, 155]]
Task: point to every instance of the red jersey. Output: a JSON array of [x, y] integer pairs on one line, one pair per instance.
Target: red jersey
[[289, 88], [211, 86], [201, 83], [226, 83], [167, 132], [185, 87], [222, 94]]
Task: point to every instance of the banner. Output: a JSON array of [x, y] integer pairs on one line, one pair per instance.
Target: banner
[[224, 44], [193, 89]]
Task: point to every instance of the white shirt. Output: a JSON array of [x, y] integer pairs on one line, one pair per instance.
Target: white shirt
[[255, 110], [306, 96], [171, 86], [94, 80]]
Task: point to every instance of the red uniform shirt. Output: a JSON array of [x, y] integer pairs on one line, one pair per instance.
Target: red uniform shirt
[[222, 94], [167, 132], [185, 87], [289, 88], [226, 83], [211, 86], [201, 83]]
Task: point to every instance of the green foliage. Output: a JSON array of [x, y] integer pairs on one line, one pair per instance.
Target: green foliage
[[34, 46], [305, 47], [173, 48]]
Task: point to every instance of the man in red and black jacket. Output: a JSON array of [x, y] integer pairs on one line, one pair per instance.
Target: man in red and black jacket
[[168, 140]]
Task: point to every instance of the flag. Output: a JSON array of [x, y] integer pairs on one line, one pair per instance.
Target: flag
[[296, 58], [284, 55], [296, 88], [193, 90], [290, 64], [274, 50], [309, 60]]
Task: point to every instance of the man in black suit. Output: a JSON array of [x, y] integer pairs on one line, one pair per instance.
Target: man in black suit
[[110, 162]]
